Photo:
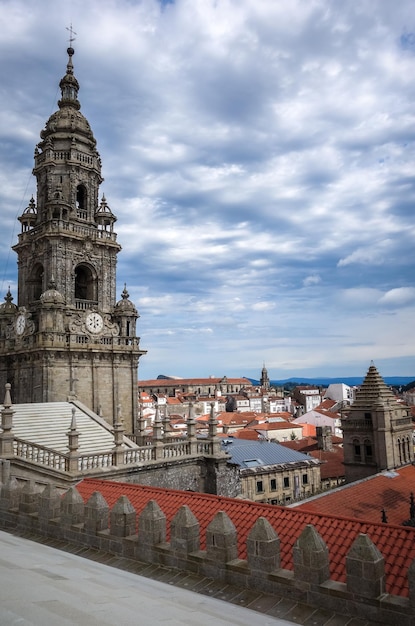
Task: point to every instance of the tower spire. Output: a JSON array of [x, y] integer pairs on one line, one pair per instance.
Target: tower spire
[[69, 85]]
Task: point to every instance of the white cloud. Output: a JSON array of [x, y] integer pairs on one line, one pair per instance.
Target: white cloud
[[313, 279], [259, 157], [401, 296]]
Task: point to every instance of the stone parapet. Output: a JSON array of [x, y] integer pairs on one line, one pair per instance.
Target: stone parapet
[[143, 537]]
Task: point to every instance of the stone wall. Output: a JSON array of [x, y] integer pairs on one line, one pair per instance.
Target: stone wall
[[205, 475], [122, 532]]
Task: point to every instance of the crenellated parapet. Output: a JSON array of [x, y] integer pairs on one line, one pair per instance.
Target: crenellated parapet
[[148, 537]]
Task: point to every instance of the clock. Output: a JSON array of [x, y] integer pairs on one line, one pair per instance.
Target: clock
[[94, 322], [20, 324]]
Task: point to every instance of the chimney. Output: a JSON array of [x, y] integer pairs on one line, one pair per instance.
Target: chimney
[[324, 441]]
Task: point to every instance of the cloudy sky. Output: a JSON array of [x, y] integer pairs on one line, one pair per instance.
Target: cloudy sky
[[259, 155]]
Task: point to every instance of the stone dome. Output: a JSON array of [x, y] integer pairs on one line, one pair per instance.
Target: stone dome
[[125, 305], [7, 307], [68, 119], [52, 295]]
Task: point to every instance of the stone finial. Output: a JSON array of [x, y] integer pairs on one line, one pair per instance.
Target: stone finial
[[73, 420], [311, 557], [7, 436], [152, 525], [263, 547], [49, 503], [29, 498], [213, 422], [221, 539], [185, 531], [365, 568], [10, 495], [7, 397], [123, 518], [96, 513], [157, 425], [72, 508]]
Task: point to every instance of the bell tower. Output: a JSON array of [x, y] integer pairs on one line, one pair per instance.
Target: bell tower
[[68, 337], [377, 430]]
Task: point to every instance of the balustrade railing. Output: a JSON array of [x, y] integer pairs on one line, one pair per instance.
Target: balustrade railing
[[95, 460], [40, 454], [47, 457], [174, 450]]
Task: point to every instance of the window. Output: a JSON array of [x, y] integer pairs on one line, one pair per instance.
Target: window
[[36, 281], [259, 486], [81, 200], [357, 450], [286, 482], [273, 484], [85, 284], [368, 450], [305, 479]]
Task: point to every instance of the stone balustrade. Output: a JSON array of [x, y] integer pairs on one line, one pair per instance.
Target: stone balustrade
[[74, 463]]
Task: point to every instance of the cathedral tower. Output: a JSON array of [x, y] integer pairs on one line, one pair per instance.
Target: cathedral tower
[[68, 337], [377, 431]]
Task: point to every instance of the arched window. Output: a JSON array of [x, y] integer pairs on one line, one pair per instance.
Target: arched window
[[81, 202], [36, 281], [85, 284]]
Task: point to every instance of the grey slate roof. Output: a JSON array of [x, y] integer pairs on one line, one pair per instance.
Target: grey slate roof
[[247, 453]]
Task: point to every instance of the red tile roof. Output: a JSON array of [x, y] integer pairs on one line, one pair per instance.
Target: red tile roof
[[246, 433], [326, 405], [334, 416], [366, 499], [275, 426], [338, 532], [332, 465], [180, 382]]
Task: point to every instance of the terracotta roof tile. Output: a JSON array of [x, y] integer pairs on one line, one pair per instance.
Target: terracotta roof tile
[[338, 532], [366, 499], [180, 382]]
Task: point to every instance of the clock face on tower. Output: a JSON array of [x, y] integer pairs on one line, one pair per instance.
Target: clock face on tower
[[20, 324], [94, 322]]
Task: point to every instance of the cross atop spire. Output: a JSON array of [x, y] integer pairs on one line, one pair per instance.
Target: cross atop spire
[[71, 35]]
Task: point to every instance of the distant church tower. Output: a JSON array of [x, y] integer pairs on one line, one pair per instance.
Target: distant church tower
[[377, 431], [264, 380], [68, 337]]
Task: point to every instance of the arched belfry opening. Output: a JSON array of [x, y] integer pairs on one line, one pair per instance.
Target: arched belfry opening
[[81, 202], [36, 282], [86, 288]]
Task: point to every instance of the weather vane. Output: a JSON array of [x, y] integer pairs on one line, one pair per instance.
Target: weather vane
[[71, 35]]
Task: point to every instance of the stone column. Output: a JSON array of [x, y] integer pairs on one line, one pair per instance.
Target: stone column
[[7, 436], [73, 444], [119, 431], [215, 447], [191, 429], [157, 435]]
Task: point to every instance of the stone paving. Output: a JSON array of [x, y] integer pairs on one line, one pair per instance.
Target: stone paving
[[177, 598]]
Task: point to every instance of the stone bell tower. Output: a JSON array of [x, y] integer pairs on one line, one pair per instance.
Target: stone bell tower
[[377, 430], [67, 337]]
